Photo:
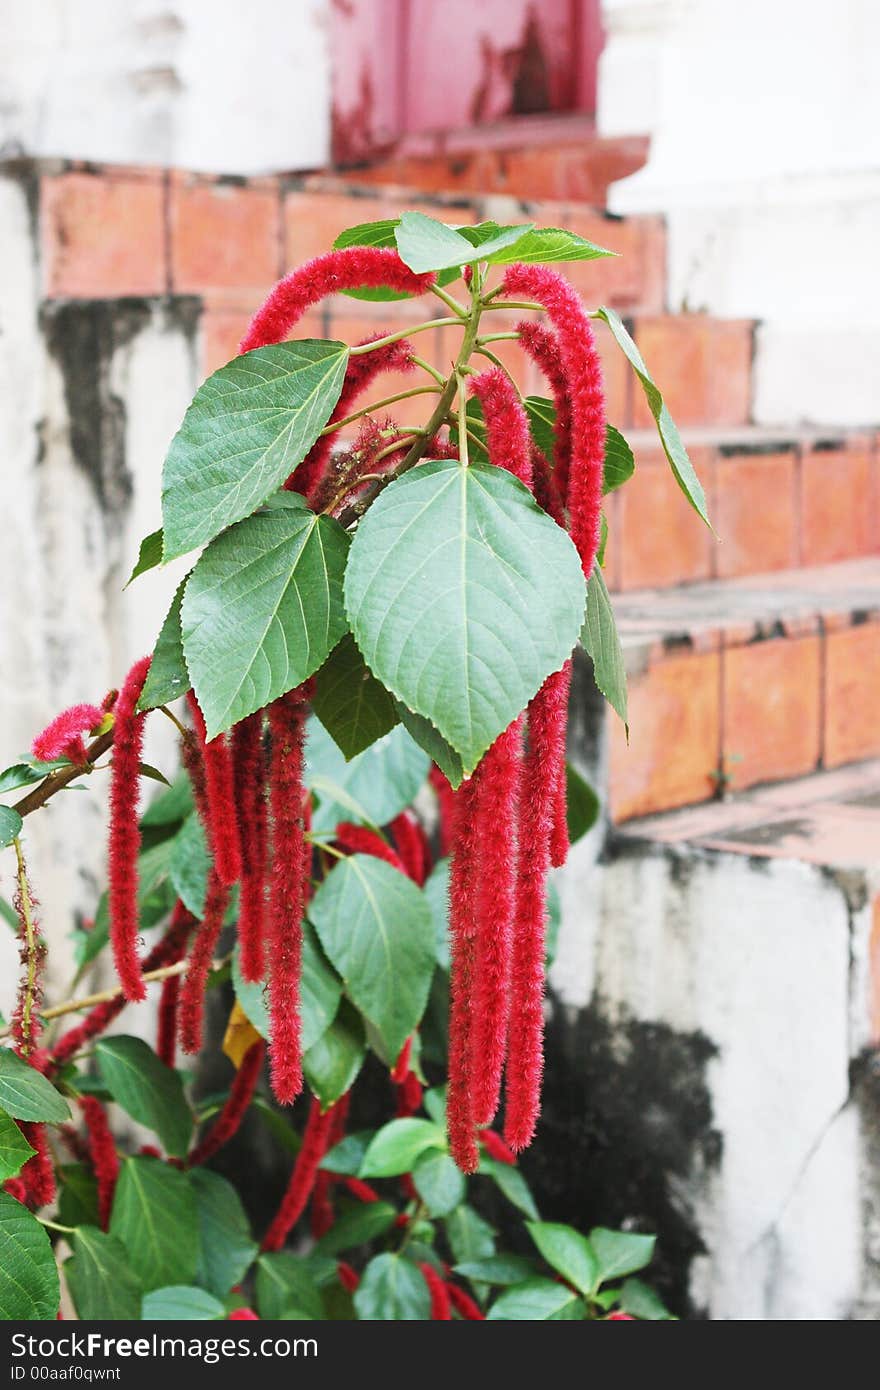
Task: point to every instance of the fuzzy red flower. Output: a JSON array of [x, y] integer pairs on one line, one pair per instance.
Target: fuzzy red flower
[[125, 839], [412, 846], [359, 839], [314, 1145], [401, 1067], [542, 345], [459, 1107], [495, 1147], [463, 1304], [356, 267], [250, 798], [440, 1307], [222, 826], [105, 1159], [507, 426], [409, 1096], [38, 1174], [446, 807], [243, 1315], [62, 738], [348, 1277], [228, 1122], [191, 1000], [166, 1023]]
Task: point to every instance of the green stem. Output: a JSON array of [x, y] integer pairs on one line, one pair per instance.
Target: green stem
[[432, 371], [527, 304], [450, 301], [378, 405], [497, 338], [496, 362], [416, 1217], [56, 1226], [404, 333]]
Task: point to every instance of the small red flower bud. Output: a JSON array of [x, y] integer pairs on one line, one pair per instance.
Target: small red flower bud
[[412, 846], [495, 1146]]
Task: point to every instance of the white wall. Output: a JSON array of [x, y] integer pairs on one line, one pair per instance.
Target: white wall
[[203, 84], [764, 117]]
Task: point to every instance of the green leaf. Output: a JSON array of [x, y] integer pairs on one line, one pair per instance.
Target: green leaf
[[148, 1090], [433, 743], [392, 1289], [149, 555], [154, 1216], [620, 1252], [437, 892], [375, 926], [263, 609], [582, 804], [347, 1156], [78, 1203], [380, 234], [10, 825], [542, 423], [19, 775], [333, 1062], [599, 638], [438, 1182], [619, 461], [469, 1236], [512, 1183], [246, 430], [226, 1247], [285, 1284], [181, 1302], [29, 1290], [396, 1146], [320, 992], [189, 864], [167, 677], [353, 706], [425, 244], [374, 787], [463, 597], [102, 1282], [537, 1300], [14, 1148], [642, 1302], [570, 1253], [26, 1095], [171, 806], [673, 448], [542, 245], [497, 1269], [357, 1226]]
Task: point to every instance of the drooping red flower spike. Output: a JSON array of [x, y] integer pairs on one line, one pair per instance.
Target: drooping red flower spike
[[412, 846], [360, 839], [542, 345], [315, 1138], [243, 1315], [38, 1174], [583, 374], [250, 797], [166, 1022], [559, 839], [507, 426], [401, 1067], [440, 1306], [348, 1277], [446, 807], [62, 738], [191, 1000], [287, 717], [463, 1304], [102, 1150], [409, 1096], [459, 1105], [222, 820], [322, 1213], [495, 1147], [228, 1122], [125, 839], [360, 1189], [356, 267], [14, 1187]]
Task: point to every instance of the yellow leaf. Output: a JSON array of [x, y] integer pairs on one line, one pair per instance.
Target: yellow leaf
[[240, 1036]]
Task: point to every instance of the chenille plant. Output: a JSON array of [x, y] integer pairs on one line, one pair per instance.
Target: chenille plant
[[381, 617]]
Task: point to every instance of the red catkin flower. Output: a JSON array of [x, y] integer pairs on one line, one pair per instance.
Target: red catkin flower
[[620, 1317], [409, 1096], [250, 798], [105, 1159], [38, 1175], [459, 1107], [356, 267], [360, 1189], [583, 373], [400, 1069], [166, 1023], [507, 426], [359, 839], [191, 1000], [440, 1307], [62, 738], [228, 1122], [314, 1145], [497, 783], [559, 841], [222, 825], [128, 736], [412, 846], [243, 1315], [14, 1187], [463, 1304], [546, 492], [287, 725], [542, 345], [323, 1216], [495, 1146], [348, 1277], [446, 807]]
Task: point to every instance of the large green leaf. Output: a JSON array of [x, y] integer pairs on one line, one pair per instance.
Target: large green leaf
[[246, 430], [545, 244], [570, 1253], [375, 926], [642, 1302], [357, 1226], [14, 1148], [380, 234], [263, 609], [439, 1182], [581, 804], [181, 1302], [497, 1269], [425, 244], [536, 1300], [149, 555], [348, 1155], [353, 706], [599, 638], [103, 1283], [512, 1183], [226, 1247], [26, 1095], [433, 743], [167, 677], [396, 1146], [10, 825], [375, 786], [78, 1203], [392, 1289], [148, 1090], [29, 1290], [320, 992], [463, 597], [620, 1252], [469, 1236], [670, 438], [619, 461], [285, 1285], [332, 1063], [155, 1217]]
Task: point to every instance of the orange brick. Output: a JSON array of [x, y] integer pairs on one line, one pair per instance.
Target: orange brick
[[674, 748], [102, 236], [633, 280], [755, 514], [837, 505], [223, 236], [702, 366], [618, 378], [852, 680], [772, 710], [661, 539]]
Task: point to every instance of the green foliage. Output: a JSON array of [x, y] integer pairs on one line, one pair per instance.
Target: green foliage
[[600, 640], [155, 1218], [353, 706], [101, 1278], [26, 1095], [28, 1277], [10, 825], [392, 1288], [147, 1090], [14, 1148]]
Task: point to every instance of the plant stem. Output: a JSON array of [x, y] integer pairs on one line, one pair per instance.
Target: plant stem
[[432, 371], [30, 945], [56, 1226], [496, 338], [496, 362], [527, 304], [450, 301], [378, 405], [413, 1221], [404, 333], [181, 728], [57, 781]]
